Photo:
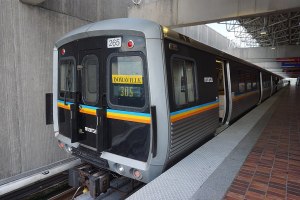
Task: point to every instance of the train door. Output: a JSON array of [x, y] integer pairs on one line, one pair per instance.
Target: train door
[[221, 91], [92, 112], [261, 87]]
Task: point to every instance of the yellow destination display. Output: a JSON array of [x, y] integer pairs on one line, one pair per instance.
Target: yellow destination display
[[127, 79]]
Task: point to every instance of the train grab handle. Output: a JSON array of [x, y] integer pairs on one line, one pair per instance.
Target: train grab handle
[[154, 130]]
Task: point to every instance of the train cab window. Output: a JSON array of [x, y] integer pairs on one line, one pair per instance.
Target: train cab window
[[127, 81], [183, 73], [67, 75], [90, 80]]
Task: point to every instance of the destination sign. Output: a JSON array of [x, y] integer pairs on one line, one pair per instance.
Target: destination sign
[[127, 79]]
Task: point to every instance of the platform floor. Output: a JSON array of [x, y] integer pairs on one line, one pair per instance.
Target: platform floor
[[255, 158], [272, 169]]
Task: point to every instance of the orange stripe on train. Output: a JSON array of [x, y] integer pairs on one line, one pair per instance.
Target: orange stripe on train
[[190, 113]]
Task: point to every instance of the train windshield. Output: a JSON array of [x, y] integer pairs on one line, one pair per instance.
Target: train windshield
[[127, 84]]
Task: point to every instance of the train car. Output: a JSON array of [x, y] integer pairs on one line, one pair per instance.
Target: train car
[[133, 97], [245, 93], [266, 90]]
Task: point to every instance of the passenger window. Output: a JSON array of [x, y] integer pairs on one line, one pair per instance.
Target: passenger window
[[183, 74], [67, 77], [190, 81], [127, 85], [254, 86], [179, 82], [90, 87], [249, 87], [266, 82], [241, 87]]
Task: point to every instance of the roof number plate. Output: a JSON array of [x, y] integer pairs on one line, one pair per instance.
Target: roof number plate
[[114, 42]]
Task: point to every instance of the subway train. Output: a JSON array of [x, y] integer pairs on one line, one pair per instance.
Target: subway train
[[133, 97]]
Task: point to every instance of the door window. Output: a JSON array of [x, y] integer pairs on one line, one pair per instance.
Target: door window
[[184, 79], [90, 79]]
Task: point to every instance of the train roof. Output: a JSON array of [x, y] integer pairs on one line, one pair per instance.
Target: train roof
[[175, 36], [149, 29]]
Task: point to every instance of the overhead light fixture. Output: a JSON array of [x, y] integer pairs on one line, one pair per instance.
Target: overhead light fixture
[[273, 42], [263, 31], [137, 2]]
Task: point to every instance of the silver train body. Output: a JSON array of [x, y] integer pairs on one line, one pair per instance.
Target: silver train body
[[134, 97]]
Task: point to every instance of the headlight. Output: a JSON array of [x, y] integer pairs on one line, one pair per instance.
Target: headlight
[[68, 149], [120, 169]]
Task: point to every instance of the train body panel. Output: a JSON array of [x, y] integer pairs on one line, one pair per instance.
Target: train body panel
[[159, 99], [245, 91], [193, 97], [131, 95], [266, 86]]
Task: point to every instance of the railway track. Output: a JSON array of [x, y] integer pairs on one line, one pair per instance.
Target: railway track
[[66, 195], [119, 189], [57, 188], [41, 189]]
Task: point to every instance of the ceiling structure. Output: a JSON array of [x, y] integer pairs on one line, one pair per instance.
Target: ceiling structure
[[277, 19], [269, 30], [273, 30]]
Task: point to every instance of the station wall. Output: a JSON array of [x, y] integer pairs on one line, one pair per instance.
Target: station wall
[[206, 35], [27, 37]]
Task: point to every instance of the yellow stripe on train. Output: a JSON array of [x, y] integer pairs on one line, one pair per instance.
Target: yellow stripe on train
[[82, 110], [193, 112], [132, 118], [111, 115], [88, 111], [62, 105]]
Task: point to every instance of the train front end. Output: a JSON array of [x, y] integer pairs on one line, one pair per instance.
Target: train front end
[[102, 111]]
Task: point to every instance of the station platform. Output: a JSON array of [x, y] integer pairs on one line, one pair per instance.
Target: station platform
[[257, 157], [272, 169]]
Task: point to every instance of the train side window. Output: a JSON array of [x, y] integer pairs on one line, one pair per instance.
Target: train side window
[[266, 81], [179, 82], [189, 68], [241, 87], [254, 82], [254, 86], [249, 86], [67, 74], [183, 74], [242, 76], [248, 80], [90, 75]]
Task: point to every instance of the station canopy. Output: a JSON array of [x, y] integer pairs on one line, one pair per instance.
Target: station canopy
[[271, 30], [267, 31]]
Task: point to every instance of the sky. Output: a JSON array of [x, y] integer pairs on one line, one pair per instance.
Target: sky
[[221, 28]]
